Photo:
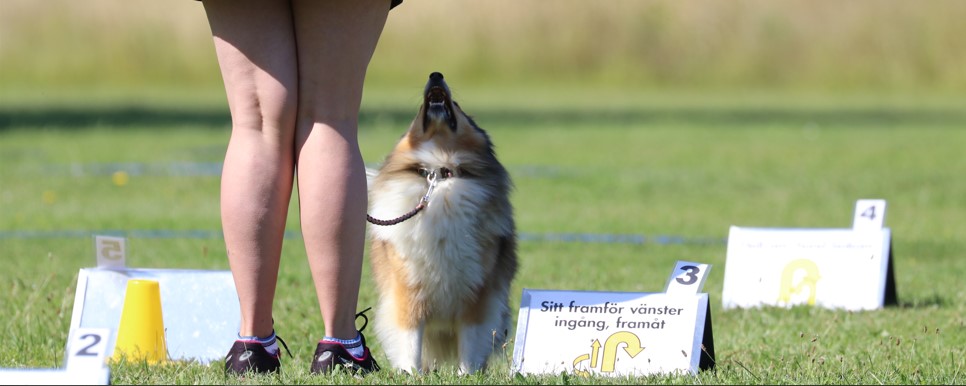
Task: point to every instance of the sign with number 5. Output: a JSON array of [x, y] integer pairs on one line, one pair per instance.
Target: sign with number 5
[[110, 251]]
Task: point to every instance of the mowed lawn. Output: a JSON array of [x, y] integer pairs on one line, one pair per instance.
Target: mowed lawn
[[584, 178]]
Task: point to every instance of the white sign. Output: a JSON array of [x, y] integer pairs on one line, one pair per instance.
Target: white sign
[[200, 308], [111, 252], [687, 278], [612, 333], [98, 376], [83, 363], [832, 268]]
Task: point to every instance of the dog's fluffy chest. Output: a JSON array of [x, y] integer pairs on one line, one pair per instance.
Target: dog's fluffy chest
[[442, 250]]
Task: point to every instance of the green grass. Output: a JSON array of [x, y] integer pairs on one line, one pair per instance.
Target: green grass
[[638, 167], [642, 118], [61, 48]]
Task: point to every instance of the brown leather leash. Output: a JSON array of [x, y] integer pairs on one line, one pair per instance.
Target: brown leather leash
[[432, 177]]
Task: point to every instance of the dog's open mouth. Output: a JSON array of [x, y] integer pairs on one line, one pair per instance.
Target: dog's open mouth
[[438, 104]]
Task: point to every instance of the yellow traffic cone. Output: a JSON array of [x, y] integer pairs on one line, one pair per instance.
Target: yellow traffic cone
[[140, 335]]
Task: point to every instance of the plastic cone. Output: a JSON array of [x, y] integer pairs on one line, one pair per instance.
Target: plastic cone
[[140, 335]]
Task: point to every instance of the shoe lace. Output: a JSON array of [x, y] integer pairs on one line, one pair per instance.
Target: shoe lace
[[374, 365], [284, 345], [364, 317], [280, 340]]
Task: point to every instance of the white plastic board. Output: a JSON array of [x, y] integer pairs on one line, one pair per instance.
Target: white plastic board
[[200, 308], [612, 333], [831, 268]]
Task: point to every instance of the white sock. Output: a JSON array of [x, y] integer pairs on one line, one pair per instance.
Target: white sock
[[270, 343], [353, 346]]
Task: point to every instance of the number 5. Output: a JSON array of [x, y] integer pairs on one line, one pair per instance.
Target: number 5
[[110, 251]]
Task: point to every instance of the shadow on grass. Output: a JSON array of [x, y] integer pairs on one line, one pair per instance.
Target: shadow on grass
[[140, 116], [934, 300]]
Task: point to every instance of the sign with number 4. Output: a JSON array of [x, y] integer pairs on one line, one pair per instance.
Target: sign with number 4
[[847, 268], [869, 215]]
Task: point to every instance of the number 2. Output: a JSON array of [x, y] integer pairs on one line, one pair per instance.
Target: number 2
[[85, 351]]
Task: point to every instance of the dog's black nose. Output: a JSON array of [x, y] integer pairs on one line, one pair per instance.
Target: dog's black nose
[[435, 76]]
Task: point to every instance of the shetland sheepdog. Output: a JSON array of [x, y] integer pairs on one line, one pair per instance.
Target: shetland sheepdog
[[443, 271]]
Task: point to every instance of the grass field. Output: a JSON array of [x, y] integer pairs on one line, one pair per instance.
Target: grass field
[[687, 170], [622, 123]]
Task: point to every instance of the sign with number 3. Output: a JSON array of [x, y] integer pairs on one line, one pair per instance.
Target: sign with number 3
[[687, 278]]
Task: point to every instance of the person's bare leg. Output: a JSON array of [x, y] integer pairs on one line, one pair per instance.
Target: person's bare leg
[[255, 47], [335, 41]]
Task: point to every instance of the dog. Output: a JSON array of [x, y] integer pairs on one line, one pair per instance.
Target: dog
[[443, 271]]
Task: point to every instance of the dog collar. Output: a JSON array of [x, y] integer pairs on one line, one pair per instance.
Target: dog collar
[[441, 173]]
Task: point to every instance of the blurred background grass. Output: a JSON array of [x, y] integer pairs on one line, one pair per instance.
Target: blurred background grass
[[148, 51]]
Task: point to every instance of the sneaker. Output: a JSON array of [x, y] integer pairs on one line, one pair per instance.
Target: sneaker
[[329, 355], [247, 355]]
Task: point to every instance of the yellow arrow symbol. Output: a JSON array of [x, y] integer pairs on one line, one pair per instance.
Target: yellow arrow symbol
[[579, 359], [809, 282], [610, 348], [594, 349]]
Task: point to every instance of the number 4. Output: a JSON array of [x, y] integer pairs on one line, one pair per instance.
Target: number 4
[[869, 214]]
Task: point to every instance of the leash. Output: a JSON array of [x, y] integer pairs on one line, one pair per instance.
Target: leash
[[432, 177]]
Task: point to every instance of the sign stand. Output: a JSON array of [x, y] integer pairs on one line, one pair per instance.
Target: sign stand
[[618, 333], [891, 296], [870, 216], [201, 314], [848, 268]]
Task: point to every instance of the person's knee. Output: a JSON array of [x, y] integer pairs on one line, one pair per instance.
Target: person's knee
[[271, 118], [340, 118]]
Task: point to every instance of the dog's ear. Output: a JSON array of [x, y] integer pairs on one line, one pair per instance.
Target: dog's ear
[[468, 133]]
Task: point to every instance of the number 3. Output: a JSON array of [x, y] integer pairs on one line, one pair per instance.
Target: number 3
[[692, 275]]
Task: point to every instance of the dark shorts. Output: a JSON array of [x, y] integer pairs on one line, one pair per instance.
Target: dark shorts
[[392, 4]]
